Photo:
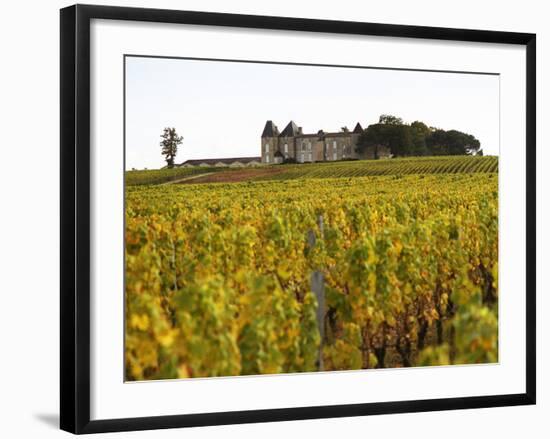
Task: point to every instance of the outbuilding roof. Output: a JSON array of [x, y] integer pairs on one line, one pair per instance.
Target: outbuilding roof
[[227, 161]]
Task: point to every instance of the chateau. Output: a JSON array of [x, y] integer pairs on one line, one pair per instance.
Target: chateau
[[293, 145]]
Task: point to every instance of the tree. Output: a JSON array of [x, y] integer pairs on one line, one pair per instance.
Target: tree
[[169, 143], [396, 137], [419, 132], [452, 142], [462, 143], [388, 119], [401, 143], [416, 139], [436, 142], [373, 137]]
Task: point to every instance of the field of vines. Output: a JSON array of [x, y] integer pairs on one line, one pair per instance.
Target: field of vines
[[219, 276], [159, 176], [358, 168], [400, 166]]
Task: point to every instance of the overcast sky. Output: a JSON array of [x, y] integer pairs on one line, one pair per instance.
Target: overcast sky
[[220, 108]]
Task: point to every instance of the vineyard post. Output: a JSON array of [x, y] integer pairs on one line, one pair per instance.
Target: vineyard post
[[318, 288]]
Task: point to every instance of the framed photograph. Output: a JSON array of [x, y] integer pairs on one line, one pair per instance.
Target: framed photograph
[[275, 218]]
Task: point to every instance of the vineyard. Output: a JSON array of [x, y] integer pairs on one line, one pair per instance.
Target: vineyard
[[401, 166], [220, 278], [358, 168], [158, 176]]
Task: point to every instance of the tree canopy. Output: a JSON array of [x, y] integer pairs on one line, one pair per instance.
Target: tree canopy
[[169, 144], [415, 139]]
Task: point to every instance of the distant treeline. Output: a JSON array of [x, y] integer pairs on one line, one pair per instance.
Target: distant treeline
[[416, 139]]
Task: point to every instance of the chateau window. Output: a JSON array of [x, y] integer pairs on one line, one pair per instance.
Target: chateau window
[[335, 155], [286, 147], [309, 146], [334, 145], [267, 157], [267, 147]]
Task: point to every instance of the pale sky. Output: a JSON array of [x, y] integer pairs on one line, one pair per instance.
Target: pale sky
[[220, 108]]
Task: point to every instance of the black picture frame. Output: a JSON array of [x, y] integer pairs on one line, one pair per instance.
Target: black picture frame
[[75, 217]]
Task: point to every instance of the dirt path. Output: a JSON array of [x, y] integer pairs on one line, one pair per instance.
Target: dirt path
[[232, 176], [184, 179]]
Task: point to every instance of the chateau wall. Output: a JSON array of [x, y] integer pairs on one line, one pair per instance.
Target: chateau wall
[[305, 149], [319, 155], [339, 147], [268, 156], [291, 142]]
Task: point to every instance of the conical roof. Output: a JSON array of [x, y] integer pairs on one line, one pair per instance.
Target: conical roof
[[270, 129], [358, 128], [290, 130]]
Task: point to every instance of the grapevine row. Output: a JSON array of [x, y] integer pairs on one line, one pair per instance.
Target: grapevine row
[[218, 275]]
